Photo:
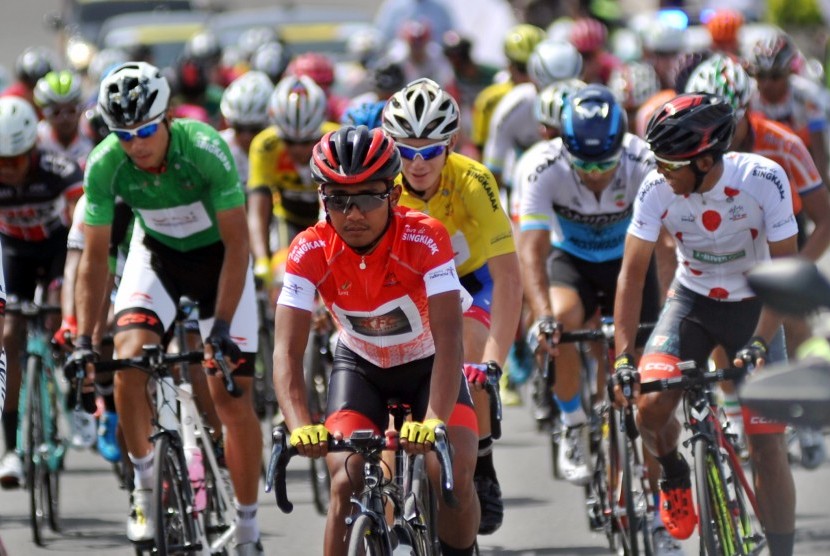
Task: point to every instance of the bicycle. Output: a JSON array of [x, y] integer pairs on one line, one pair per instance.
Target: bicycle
[[414, 508], [192, 514], [726, 503], [39, 443]]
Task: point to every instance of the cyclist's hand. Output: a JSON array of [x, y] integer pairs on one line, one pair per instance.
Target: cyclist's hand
[[310, 440], [544, 336], [476, 375], [754, 354], [220, 339], [80, 360], [67, 332], [418, 438], [262, 271], [626, 380]]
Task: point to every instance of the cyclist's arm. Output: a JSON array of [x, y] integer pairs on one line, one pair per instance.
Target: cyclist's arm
[[534, 245], [816, 205], [259, 215], [818, 146], [506, 306], [93, 272], [446, 324], [629, 300], [769, 322], [234, 234], [291, 329]]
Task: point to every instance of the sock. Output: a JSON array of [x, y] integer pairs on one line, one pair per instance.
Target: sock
[[143, 471], [10, 429], [674, 466], [484, 463], [247, 529], [572, 413], [732, 407], [657, 520], [780, 544], [448, 550]]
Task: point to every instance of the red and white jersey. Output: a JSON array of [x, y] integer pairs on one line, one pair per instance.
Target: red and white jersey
[[721, 234], [379, 300]]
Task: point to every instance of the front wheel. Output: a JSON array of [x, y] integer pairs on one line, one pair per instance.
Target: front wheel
[[37, 469], [637, 494], [717, 534], [424, 509], [365, 539], [175, 527]]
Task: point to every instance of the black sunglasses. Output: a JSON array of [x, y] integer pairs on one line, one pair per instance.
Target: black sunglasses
[[365, 202]]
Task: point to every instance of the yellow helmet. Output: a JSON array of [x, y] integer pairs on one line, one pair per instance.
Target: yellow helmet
[[520, 42]]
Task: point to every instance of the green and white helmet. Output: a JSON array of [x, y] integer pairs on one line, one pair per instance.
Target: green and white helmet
[[721, 75], [58, 87]]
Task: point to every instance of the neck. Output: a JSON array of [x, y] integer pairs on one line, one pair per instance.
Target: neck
[[712, 177]]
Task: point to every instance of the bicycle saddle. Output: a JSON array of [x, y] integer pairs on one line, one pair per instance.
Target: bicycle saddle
[[793, 286], [797, 393]]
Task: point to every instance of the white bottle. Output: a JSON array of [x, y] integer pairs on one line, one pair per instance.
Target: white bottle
[[196, 473]]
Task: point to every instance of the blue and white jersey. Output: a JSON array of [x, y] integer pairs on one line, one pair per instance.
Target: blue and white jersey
[[586, 225]]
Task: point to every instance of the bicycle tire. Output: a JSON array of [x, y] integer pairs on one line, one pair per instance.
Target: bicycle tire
[[175, 528], [218, 516], [364, 539], [317, 385], [425, 531], [37, 472], [265, 401], [716, 527], [56, 454], [750, 537], [636, 496]]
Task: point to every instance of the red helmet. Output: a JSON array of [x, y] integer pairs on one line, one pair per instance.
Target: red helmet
[[724, 25], [317, 66], [588, 35], [353, 155], [415, 31]]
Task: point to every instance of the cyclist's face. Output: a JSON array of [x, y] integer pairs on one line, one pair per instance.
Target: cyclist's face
[[773, 86], [148, 153], [357, 227], [424, 175], [14, 169]]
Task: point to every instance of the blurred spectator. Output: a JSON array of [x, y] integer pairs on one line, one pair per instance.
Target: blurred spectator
[[393, 13]]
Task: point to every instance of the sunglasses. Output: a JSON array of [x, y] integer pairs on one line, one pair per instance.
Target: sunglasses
[[66, 111], [142, 132], [426, 153], [365, 202], [595, 166], [671, 165], [303, 142]]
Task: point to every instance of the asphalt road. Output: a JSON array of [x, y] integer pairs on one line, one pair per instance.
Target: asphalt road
[[543, 516]]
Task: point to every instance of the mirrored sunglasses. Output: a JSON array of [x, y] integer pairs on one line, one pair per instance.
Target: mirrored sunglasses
[[426, 153], [670, 165], [365, 202], [143, 132], [595, 166]]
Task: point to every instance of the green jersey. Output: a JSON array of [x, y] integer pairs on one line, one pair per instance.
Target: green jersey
[[177, 206]]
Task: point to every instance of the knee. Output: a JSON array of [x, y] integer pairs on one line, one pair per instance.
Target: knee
[[653, 412]]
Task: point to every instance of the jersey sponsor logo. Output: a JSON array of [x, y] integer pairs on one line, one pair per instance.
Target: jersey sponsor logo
[[417, 236], [442, 272], [758, 420], [177, 222], [590, 245], [393, 323], [303, 247], [782, 223], [690, 218], [648, 185], [712, 258], [293, 287], [661, 366], [211, 146], [595, 220], [486, 184], [737, 213], [769, 175]]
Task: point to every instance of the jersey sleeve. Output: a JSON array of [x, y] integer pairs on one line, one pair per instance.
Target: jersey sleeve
[[98, 183], [648, 209], [776, 202], [305, 264], [218, 166], [430, 245], [481, 198], [536, 202], [801, 168]]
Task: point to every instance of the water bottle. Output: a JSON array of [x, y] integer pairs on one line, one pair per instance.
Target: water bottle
[[196, 472]]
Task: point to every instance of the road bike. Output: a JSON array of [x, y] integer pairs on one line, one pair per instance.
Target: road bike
[[413, 527], [39, 441]]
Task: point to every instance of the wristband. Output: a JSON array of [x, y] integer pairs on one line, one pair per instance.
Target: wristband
[[624, 360], [83, 342]]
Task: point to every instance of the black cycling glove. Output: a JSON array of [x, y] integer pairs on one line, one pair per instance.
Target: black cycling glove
[[220, 339]]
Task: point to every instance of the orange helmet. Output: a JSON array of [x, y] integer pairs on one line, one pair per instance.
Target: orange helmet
[[724, 25]]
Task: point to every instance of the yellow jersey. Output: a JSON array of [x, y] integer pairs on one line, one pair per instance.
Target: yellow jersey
[[293, 191], [467, 204], [483, 108]]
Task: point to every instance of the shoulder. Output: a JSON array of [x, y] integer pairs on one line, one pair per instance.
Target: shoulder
[[513, 99], [421, 232], [653, 187], [636, 153], [201, 140], [265, 141], [758, 175], [59, 165], [465, 170], [310, 243], [105, 155]]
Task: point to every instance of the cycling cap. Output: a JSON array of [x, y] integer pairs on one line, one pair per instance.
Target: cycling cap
[[633, 84], [317, 66], [520, 42], [724, 25], [369, 114], [133, 93], [551, 100], [774, 53], [245, 100], [355, 155], [33, 63], [421, 110], [593, 124], [58, 87], [272, 59], [298, 108], [588, 35], [721, 75], [690, 125], [18, 126], [553, 61]]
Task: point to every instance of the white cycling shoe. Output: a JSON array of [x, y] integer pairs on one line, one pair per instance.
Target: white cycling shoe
[[140, 524]]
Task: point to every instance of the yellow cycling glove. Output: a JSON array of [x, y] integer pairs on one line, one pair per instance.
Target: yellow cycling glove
[[420, 432], [262, 270], [309, 434]]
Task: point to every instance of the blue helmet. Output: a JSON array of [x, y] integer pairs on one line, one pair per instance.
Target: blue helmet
[[593, 124], [369, 114]]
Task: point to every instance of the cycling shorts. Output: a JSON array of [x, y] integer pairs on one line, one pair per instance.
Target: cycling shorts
[[156, 277], [596, 283], [479, 284], [690, 327], [359, 392], [27, 263]]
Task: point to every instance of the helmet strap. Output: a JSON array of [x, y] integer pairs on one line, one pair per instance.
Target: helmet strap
[[699, 175]]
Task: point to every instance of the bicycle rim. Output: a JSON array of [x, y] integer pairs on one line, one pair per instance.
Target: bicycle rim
[[425, 527], [750, 537], [715, 522], [174, 525], [364, 540], [218, 515], [37, 472], [636, 493]]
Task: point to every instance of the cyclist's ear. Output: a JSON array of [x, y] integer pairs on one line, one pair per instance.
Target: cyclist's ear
[[394, 194]]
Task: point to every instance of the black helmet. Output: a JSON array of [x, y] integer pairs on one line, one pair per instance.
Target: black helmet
[[388, 76], [690, 125], [593, 124], [32, 64], [353, 155]]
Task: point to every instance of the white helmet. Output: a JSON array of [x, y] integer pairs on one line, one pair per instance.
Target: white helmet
[[133, 93], [245, 101], [551, 100], [662, 38], [298, 108], [634, 83], [553, 61], [421, 110], [18, 126]]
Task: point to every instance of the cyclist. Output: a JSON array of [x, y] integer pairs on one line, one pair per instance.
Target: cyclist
[[279, 180], [424, 121], [388, 278], [320, 68], [179, 178], [38, 191], [589, 36], [728, 212], [58, 95], [32, 64], [577, 197], [633, 84]]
